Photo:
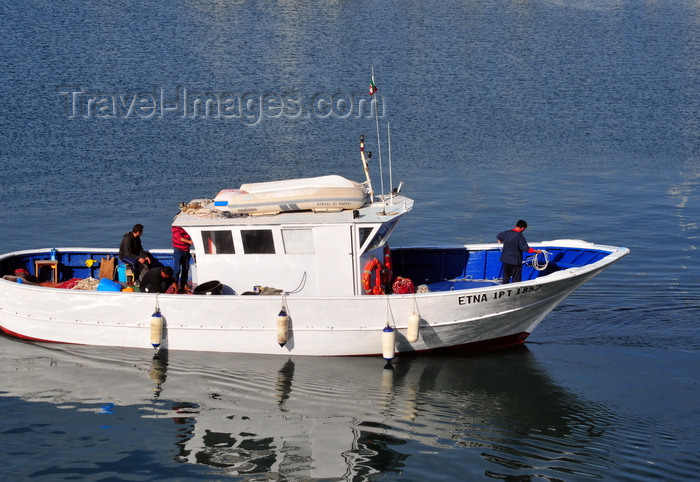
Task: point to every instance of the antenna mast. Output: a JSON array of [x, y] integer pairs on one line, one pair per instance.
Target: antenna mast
[[365, 165], [391, 182], [372, 90]]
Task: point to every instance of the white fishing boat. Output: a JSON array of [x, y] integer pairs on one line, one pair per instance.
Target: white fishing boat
[[302, 279]]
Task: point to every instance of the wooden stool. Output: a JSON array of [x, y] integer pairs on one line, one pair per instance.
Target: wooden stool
[[40, 263], [129, 275]]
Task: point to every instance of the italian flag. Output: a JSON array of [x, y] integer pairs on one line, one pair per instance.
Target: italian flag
[[372, 87]]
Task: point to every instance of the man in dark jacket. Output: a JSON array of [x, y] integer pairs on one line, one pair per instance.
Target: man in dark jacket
[[158, 280], [131, 251], [514, 245]]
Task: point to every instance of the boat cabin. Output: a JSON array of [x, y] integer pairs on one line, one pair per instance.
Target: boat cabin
[[309, 252]]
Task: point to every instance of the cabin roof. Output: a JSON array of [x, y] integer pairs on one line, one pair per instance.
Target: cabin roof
[[376, 212]]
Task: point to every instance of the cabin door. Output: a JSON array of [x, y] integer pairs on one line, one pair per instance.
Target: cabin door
[[335, 262]]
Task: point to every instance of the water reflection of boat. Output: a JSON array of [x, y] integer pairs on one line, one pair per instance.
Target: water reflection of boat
[[296, 418]]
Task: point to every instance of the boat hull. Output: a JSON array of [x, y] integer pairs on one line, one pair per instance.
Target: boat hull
[[488, 317]]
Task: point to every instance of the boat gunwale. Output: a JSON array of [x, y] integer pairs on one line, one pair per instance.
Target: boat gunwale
[[614, 254]]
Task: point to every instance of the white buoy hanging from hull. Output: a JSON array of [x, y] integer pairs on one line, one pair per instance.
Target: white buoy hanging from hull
[[156, 328], [388, 343], [282, 327], [412, 331]]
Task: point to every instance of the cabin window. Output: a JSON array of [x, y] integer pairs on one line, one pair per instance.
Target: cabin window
[[218, 242], [382, 234], [364, 234], [257, 241], [298, 241]]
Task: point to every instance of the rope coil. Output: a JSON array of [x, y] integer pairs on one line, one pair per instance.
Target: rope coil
[[534, 261]]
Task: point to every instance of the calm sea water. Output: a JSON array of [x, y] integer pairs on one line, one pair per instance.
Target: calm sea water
[[581, 117]]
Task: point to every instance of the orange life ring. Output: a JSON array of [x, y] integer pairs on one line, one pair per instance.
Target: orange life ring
[[376, 268]]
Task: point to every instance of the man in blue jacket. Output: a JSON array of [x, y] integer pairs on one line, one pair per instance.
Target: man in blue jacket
[[514, 245]]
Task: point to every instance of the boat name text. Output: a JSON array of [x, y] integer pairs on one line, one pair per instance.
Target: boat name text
[[496, 295]]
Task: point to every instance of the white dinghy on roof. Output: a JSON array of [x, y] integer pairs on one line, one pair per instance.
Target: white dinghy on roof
[[319, 194]]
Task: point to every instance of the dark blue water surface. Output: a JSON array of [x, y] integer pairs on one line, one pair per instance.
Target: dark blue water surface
[[581, 117]]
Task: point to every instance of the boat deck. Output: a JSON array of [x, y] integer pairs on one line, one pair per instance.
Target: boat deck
[[441, 269]]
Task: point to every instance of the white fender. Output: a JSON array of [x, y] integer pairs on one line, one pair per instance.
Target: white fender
[[388, 343], [412, 331], [156, 328], [282, 327]]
